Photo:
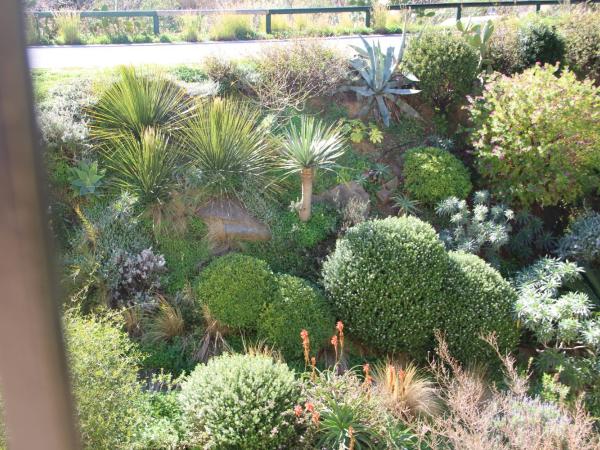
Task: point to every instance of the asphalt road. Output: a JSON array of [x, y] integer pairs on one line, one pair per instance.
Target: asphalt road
[[89, 56]]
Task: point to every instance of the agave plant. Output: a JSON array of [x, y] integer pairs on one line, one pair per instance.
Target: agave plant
[[229, 151], [381, 84], [86, 178], [136, 101], [145, 167], [306, 147]]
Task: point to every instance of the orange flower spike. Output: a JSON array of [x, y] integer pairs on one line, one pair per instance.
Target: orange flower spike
[[309, 407], [334, 342], [340, 328], [316, 417], [298, 410], [352, 438], [305, 345]]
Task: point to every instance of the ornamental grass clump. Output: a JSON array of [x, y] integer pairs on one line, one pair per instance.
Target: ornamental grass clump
[[241, 401], [385, 279], [537, 136]]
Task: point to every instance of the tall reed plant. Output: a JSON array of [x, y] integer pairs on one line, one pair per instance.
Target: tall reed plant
[[68, 24]]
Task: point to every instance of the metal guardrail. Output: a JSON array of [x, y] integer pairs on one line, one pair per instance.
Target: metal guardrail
[[269, 13]]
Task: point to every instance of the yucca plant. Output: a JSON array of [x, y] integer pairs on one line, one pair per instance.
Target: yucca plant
[[226, 142], [342, 426], [380, 82], [68, 27], [136, 101], [306, 147], [145, 167]]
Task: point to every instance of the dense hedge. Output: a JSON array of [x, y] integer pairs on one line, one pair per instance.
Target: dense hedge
[[478, 302], [240, 402], [537, 137], [433, 174], [445, 65], [297, 306], [385, 279], [540, 43], [236, 288]]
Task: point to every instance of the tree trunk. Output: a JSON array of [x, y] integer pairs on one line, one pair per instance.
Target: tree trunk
[[307, 184]]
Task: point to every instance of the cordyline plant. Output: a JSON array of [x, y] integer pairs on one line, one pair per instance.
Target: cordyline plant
[[381, 84], [306, 147]]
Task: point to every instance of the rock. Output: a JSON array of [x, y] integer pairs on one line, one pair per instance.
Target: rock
[[227, 220], [392, 185], [384, 195], [342, 195]]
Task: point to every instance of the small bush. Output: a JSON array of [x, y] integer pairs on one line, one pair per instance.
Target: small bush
[[241, 401], [286, 76], [68, 25], [104, 366], [191, 27], [231, 27], [582, 44], [505, 53], [236, 288], [224, 72], [540, 44], [479, 302], [582, 240], [174, 357], [537, 136], [384, 280], [298, 306], [445, 65], [432, 174]]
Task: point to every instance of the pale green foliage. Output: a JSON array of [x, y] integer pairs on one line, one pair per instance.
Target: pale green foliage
[[557, 318], [406, 205], [311, 145], [68, 24], [138, 100], [359, 131], [144, 166], [241, 401], [537, 136], [479, 37], [378, 75], [484, 229], [104, 365], [228, 148], [191, 25], [86, 178], [582, 241]]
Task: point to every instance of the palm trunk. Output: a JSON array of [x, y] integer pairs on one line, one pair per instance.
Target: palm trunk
[[307, 184]]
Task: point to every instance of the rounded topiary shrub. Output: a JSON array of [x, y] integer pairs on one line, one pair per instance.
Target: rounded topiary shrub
[[384, 280], [298, 306], [432, 174], [540, 43], [478, 302], [240, 402], [537, 138], [236, 288], [445, 65]]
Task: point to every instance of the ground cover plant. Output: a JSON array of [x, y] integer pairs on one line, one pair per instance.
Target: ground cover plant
[[255, 261]]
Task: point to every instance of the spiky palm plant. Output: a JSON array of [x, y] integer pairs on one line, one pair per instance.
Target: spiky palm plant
[[228, 149], [380, 79], [306, 147], [136, 101], [145, 167]]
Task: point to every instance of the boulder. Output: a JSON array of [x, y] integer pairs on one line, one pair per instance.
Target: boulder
[[342, 195], [227, 220]]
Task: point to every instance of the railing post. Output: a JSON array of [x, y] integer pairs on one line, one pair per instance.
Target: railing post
[[368, 18], [268, 22], [155, 23], [538, 7], [458, 11]]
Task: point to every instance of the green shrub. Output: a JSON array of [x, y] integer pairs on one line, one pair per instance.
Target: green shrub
[[173, 356], [68, 24], [432, 174], [505, 54], [189, 74], [478, 302], [385, 279], [241, 401], [230, 27], [445, 65], [537, 136], [183, 254], [236, 288], [540, 43], [104, 367], [297, 306], [582, 44]]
